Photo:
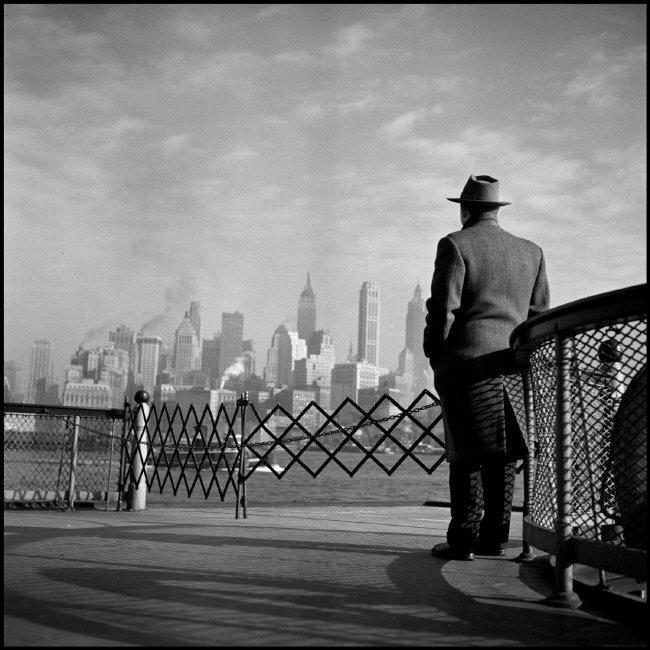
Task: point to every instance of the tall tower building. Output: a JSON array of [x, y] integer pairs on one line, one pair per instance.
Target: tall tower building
[[232, 333], [123, 338], [114, 372], [415, 322], [317, 366], [195, 317], [186, 347], [306, 311], [148, 349], [368, 345], [39, 366], [248, 352], [210, 357], [279, 360]]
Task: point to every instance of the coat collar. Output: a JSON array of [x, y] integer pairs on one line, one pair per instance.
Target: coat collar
[[481, 218]]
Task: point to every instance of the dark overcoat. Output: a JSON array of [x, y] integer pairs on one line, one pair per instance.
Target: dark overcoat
[[486, 281]]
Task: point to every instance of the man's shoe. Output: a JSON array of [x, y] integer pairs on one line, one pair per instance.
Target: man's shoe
[[490, 549], [449, 552]]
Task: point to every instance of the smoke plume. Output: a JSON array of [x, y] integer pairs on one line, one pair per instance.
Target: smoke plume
[[177, 298], [233, 370], [91, 334]]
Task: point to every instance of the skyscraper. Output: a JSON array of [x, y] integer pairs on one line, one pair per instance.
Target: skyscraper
[[415, 322], [232, 332], [123, 338], [210, 357], [195, 317], [306, 311], [148, 349], [186, 347], [368, 344], [39, 366], [279, 360], [317, 366], [248, 352], [286, 348]]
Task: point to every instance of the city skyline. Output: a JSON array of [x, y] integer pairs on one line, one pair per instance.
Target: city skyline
[[161, 154], [182, 351]]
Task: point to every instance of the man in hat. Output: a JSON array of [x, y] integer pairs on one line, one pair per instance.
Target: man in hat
[[485, 282]]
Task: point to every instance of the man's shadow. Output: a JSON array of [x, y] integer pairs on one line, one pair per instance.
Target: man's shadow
[[488, 615]]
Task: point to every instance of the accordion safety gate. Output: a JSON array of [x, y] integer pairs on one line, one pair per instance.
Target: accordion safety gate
[[200, 451]]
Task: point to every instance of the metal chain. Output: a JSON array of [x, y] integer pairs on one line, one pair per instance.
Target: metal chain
[[340, 429], [280, 439], [315, 435]]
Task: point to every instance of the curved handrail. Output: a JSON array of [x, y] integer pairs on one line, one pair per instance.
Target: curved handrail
[[563, 417], [581, 314], [45, 409]]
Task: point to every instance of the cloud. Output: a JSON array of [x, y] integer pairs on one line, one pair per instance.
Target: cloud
[[349, 40], [603, 74], [295, 57], [309, 111], [364, 103], [241, 153], [402, 125], [272, 11], [175, 143], [142, 147], [187, 29]]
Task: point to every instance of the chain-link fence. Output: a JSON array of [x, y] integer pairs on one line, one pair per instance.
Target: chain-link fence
[[60, 454], [588, 376]]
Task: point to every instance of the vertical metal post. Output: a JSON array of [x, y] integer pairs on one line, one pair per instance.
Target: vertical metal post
[[602, 584], [121, 479], [241, 482], [529, 462], [65, 439], [564, 596], [110, 467], [73, 463], [138, 487]]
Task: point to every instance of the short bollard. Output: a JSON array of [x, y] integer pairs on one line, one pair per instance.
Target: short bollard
[[137, 493]]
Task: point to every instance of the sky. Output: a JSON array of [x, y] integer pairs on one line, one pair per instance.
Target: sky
[[159, 154]]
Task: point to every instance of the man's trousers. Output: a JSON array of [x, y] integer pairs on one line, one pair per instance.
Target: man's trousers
[[481, 502]]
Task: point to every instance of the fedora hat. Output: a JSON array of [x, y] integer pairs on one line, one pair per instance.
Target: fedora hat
[[480, 190]]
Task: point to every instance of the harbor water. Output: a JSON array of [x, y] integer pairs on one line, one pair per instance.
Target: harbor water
[[408, 484]]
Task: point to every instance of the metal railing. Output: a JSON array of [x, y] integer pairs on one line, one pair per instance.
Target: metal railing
[[61, 454], [587, 490], [68, 454]]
